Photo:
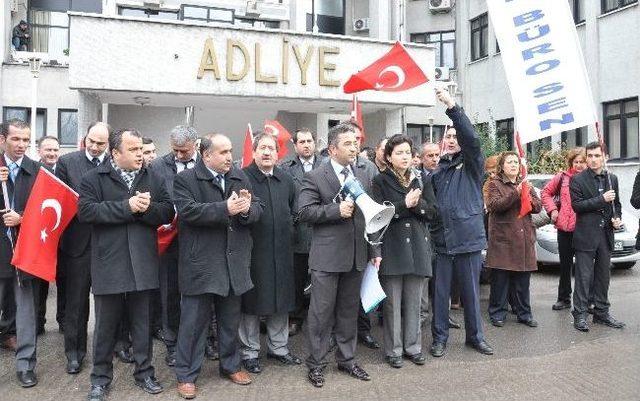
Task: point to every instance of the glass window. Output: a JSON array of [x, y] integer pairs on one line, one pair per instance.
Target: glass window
[[207, 14], [328, 16], [479, 37], [422, 133], [577, 9], [445, 46], [68, 127], [621, 128], [574, 138], [50, 32], [24, 114], [610, 5], [504, 129], [148, 13]]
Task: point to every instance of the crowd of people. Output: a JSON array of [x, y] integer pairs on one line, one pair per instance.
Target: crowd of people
[[251, 242]]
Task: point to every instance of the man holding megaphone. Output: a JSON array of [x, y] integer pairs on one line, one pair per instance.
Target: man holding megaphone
[[339, 253]]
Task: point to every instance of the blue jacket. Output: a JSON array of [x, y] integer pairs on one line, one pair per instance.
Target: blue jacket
[[457, 183]]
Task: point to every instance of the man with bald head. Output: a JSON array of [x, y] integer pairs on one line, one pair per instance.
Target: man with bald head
[[75, 247]]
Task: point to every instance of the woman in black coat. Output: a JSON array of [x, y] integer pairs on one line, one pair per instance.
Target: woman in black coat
[[635, 202], [406, 252]]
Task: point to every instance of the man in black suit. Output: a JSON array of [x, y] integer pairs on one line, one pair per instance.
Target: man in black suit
[[124, 202], [183, 156], [215, 212], [337, 257], [75, 249], [19, 172], [594, 198], [304, 160]]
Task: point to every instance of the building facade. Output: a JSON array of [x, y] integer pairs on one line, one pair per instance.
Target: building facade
[[141, 63]]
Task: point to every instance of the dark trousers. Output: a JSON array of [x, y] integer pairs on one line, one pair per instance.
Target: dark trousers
[[301, 277], [40, 292], [192, 337], [7, 313], [335, 300], [509, 287], [565, 248], [466, 267], [61, 297], [78, 283], [592, 279], [170, 296], [25, 319], [109, 310]]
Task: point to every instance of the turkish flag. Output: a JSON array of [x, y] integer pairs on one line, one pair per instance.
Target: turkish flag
[[166, 234], [394, 72], [50, 208], [247, 147], [283, 136], [525, 192], [356, 115]]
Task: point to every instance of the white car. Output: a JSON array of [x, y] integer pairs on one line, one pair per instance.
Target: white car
[[624, 255]]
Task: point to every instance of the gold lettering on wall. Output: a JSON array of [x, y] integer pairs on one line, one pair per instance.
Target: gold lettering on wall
[[208, 61], [231, 75], [303, 63], [259, 76], [285, 60], [324, 66]]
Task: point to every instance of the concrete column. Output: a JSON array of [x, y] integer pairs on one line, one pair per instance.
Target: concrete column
[[380, 19], [89, 110]]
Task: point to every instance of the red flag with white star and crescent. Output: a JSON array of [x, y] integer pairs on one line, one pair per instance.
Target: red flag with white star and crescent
[[49, 210]]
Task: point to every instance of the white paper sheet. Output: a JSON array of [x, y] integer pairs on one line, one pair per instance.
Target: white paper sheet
[[371, 292]]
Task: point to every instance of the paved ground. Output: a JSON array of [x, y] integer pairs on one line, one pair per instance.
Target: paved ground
[[551, 362]]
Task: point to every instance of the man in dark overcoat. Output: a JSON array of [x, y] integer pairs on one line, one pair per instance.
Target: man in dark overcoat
[[75, 246], [124, 202], [216, 209], [304, 160], [273, 295], [19, 173]]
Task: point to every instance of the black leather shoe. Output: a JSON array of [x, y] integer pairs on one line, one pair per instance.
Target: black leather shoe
[[211, 352], [530, 322], [560, 305], [418, 359], [288, 359], [355, 371], [368, 341], [294, 328], [97, 393], [316, 377], [252, 365], [150, 385], [482, 347], [27, 378], [73, 367], [124, 356], [608, 320], [394, 361], [453, 324], [437, 349], [170, 359], [497, 323], [580, 324]]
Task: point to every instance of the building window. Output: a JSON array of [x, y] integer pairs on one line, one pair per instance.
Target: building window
[[328, 16], [504, 129], [256, 23], [68, 126], [577, 9], [479, 37], [574, 138], [24, 114], [420, 133], [536, 148], [445, 46], [610, 5], [148, 13], [207, 14], [50, 23], [621, 128]]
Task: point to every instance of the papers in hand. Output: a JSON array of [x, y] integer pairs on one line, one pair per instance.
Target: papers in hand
[[371, 292]]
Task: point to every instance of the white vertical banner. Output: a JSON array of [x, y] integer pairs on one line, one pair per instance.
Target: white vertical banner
[[544, 66]]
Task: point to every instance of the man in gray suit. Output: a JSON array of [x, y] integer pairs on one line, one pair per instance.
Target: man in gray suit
[[337, 256]]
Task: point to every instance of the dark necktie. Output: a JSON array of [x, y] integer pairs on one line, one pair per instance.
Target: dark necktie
[[220, 181], [345, 173], [95, 161]]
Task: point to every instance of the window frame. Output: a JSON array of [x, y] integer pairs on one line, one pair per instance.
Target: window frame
[[483, 33], [510, 125], [577, 7], [60, 111], [181, 16], [623, 117], [621, 4], [313, 19], [425, 36], [28, 121], [146, 9], [48, 27], [580, 132]]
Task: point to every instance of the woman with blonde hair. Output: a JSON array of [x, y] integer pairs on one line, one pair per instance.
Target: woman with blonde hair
[[557, 203]]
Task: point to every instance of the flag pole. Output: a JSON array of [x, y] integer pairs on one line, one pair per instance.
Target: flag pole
[[605, 152], [5, 196]]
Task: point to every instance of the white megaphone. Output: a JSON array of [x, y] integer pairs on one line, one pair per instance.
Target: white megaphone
[[376, 216]]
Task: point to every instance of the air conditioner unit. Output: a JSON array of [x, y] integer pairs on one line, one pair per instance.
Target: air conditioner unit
[[442, 73], [361, 24], [439, 6]]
